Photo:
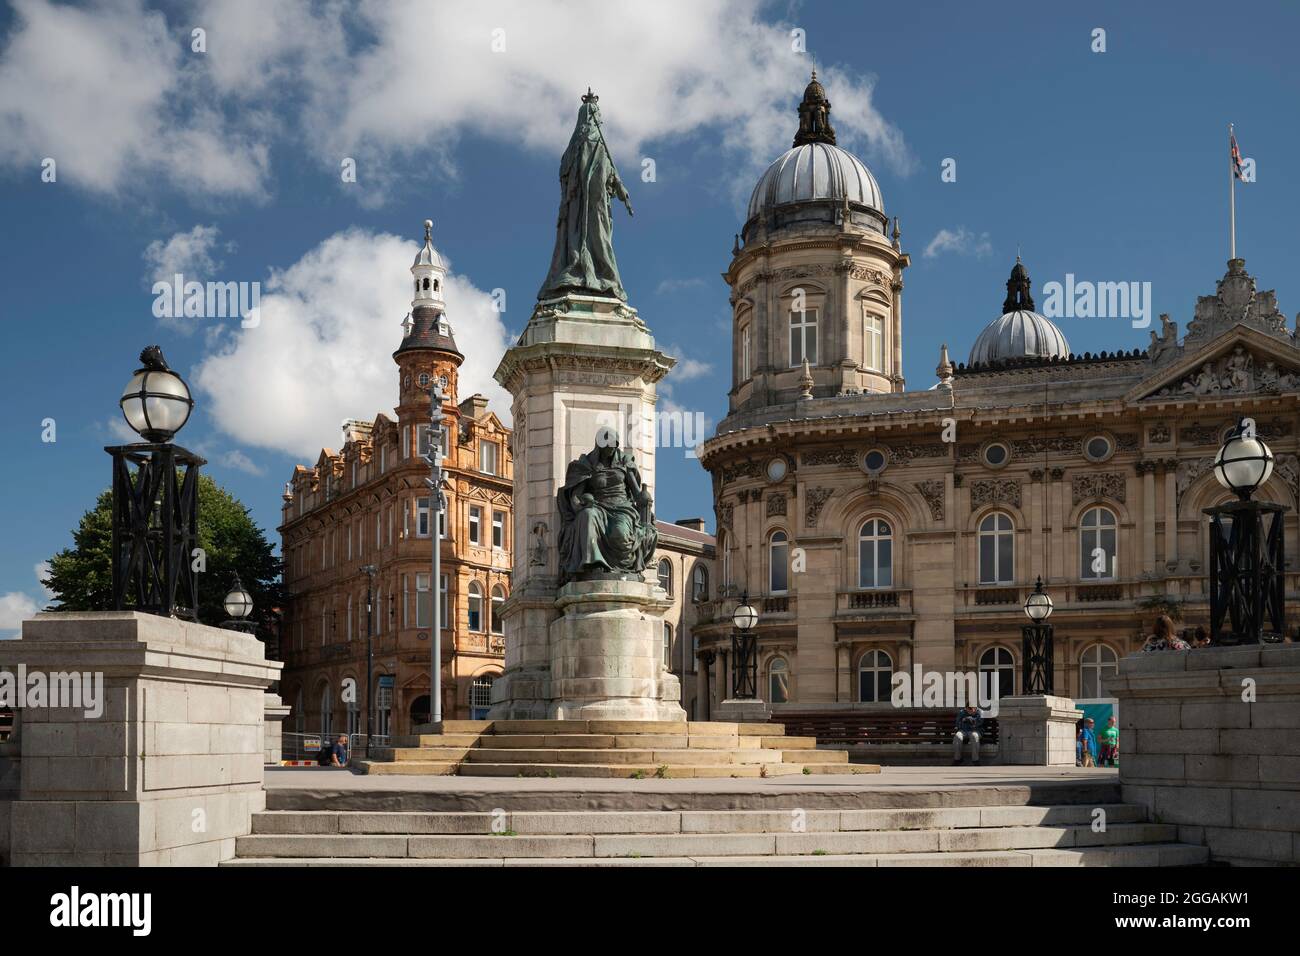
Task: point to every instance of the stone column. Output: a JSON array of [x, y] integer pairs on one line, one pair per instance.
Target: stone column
[[1147, 470], [1037, 731], [1171, 514], [274, 712], [163, 766]]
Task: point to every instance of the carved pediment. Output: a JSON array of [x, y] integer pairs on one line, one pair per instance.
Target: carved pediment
[[1244, 361], [1235, 301]]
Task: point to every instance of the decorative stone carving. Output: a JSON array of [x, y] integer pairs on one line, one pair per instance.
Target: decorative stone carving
[[1158, 434], [1166, 346], [742, 469], [776, 505], [726, 512], [1106, 484], [1198, 434], [606, 513], [994, 490], [968, 452], [1273, 428], [1036, 474], [902, 454], [1235, 373], [814, 501], [830, 456], [1288, 467], [1056, 473], [1188, 471], [1066, 444], [933, 493], [1236, 300], [1128, 441]]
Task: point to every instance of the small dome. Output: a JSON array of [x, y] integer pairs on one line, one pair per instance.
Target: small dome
[[1019, 334], [815, 171], [428, 256]]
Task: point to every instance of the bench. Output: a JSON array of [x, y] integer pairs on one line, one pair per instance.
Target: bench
[[909, 735]]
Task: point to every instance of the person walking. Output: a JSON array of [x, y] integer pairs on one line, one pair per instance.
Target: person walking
[[1109, 754]]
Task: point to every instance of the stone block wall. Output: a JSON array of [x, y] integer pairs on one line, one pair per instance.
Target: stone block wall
[[1210, 741], [170, 771]]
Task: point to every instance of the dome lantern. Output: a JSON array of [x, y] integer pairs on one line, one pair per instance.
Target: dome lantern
[[814, 116], [1020, 332]]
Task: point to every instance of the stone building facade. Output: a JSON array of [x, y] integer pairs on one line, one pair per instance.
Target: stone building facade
[[366, 506], [876, 528], [684, 567]]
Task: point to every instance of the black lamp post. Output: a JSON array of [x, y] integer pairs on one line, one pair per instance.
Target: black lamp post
[[1247, 558], [239, 605], [744, 651], [370, 571], [155, 496], [1037, 643]]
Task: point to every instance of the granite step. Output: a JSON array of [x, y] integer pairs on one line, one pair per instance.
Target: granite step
[[606, 770]]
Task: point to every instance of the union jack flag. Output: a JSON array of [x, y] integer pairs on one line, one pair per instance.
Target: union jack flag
[[1236, 158]]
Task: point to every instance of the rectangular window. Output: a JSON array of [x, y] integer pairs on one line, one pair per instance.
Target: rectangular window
[[422, 517], [444, 583], [349, 542], [405, 450], [348, 630], [383, 458], [324, 627], [803, 337], [475, 525], [406, 600], [498, 529], [354, 472], [873, 343], [379, 530], [488, 457], [423, 601]]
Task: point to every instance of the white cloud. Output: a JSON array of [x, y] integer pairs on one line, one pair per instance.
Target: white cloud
[[15, 607], [107, 92], [961, 242], [118, 429], [114, 93], [686, 368], [237, 460], [669, 286], [187, 253], [42, 571], [322, 352]]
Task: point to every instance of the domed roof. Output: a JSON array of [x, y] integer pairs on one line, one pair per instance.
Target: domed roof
[[815, 168], [815, 171], [1019, 332]]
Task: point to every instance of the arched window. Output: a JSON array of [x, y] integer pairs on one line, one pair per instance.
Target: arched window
[[875, 675], [875, 554], [1097, 541], [997, 549], [326, 711], [498, 599], [724, 549], [778, 681], [420, 712], [475, 607], [778, 550], [998, 663], [480, 696], [700, 583], [426, 283], [1096, 663], [666, 576]]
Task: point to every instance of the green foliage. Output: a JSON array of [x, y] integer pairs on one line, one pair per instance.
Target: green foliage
[[81, 576]]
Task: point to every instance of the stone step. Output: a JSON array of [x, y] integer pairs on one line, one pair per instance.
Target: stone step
[[473, 768], [671, 821], [815, 756], [424, 754], [866, 843], [670, 758], [407, 768], [435, 740], [1162, 854]]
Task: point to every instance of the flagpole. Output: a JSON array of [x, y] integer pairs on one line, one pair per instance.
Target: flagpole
[[1232, 201]]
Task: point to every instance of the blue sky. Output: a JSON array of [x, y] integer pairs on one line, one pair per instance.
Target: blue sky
[[1111, 166]]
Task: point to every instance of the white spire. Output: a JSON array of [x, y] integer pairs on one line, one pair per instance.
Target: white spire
[[430, 273]]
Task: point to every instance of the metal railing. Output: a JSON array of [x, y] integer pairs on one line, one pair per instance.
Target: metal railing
[[295, 746]]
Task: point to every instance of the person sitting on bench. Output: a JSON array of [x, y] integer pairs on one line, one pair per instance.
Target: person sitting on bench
[[969, 724]]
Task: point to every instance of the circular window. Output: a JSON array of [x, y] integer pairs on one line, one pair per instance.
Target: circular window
[[874, 461], [1098, 448], [996, 455], [776, 469]]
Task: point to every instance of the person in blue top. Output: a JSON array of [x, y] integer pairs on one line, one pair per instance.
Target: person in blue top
[[969, 724], [1085, 747]]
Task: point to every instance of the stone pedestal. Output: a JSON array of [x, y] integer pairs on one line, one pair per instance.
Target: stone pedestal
[[1037, 731], [743, 711], [582, 363], [274, 712], [169, 771], [607, 654], [1210, 741]]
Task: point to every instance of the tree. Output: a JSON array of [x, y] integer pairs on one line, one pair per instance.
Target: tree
[[81, 577]]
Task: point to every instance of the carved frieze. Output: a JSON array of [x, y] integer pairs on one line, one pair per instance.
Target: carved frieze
[[814, 502], [742, 469], [1128, 441], [726, 512], [1061, 444], [1158, 434], [1106, 484], [994, 490], [1188, 470], [1237, 372], [902, 454], [830, 456], [933, 493], [776, 505]]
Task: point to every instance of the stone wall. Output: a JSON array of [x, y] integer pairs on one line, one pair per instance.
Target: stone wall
[[170, 771], [1210, 742]]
